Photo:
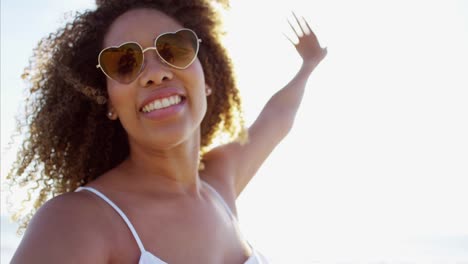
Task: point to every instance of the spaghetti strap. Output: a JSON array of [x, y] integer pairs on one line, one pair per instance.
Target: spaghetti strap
[[147, 257], [235, 222], [221, 199], [117, 209]]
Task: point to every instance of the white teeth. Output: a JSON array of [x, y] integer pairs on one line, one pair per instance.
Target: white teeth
[[162, 103], [165, 102], [157, 105]]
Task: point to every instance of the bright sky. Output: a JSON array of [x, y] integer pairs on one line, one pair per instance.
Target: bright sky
[[379, 153]]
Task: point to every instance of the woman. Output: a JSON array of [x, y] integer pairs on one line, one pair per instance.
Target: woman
[[128, 100]]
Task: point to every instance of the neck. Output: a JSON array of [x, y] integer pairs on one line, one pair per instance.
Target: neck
[[173, 170]]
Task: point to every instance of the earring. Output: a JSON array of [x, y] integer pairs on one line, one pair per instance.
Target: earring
[[109, 114], [208, 91]]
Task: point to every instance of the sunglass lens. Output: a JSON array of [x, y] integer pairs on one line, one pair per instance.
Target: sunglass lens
[[122, 64], [178, 49]]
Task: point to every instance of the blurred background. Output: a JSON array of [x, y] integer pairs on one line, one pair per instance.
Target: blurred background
[[375, 169]]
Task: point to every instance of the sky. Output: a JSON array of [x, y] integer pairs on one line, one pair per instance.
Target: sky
[[376, 166]]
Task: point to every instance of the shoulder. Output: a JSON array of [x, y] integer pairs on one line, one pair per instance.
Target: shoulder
[[65, 230]]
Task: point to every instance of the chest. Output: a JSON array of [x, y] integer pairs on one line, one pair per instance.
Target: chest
[[183, 232]]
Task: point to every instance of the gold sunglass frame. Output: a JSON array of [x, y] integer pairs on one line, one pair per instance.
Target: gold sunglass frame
[[142, 66]]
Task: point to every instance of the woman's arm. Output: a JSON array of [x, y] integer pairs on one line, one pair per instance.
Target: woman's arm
[[274, 121]]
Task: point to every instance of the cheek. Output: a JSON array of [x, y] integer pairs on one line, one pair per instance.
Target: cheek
[[194, 80], [196, 73], [198, 81], [119, 95]]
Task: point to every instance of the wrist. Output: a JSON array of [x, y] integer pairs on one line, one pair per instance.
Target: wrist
[[308, 66]]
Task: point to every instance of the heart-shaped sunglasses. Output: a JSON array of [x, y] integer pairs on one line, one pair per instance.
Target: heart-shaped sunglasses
[[124, 63]]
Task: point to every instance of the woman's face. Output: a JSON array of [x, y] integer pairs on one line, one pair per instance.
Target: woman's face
[[165, 127]]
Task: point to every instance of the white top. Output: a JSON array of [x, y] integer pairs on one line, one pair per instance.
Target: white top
[[146, 256]]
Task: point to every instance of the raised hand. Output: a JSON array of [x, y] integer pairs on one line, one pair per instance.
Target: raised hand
[[308, 46]]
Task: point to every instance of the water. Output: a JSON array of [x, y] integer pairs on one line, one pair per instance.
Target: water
[[9, 239]]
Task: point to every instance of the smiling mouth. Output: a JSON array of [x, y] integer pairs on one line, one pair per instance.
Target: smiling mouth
[[162, 103]]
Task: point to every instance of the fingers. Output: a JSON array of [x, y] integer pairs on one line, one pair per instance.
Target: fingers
[[304, 30], [290, 40], [299, 24], [309, 28], [307, 24], [294, 29]]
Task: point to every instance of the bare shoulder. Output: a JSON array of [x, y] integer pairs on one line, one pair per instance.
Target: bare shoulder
[[65, 230]]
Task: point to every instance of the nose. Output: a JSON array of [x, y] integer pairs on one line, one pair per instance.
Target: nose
[[155, 71]]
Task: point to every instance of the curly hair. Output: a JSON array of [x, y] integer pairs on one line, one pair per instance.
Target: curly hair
[[69, 140]]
